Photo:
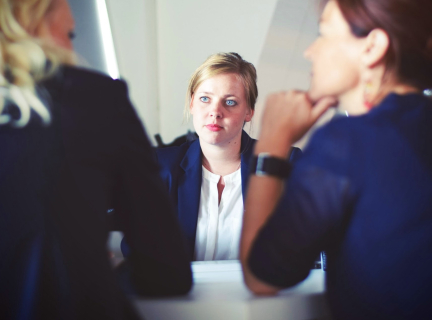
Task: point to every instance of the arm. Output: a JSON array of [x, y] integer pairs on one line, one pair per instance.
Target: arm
[[158, 261], [263, 194], [287, 118]]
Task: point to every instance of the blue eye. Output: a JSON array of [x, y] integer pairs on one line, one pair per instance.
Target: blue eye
[[230, 103], [204, 99]]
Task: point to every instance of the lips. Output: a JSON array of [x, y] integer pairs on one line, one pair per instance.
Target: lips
[[213, 127]]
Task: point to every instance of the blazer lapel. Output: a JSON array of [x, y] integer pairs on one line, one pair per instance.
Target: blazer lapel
[[189, 192], [246, 150]]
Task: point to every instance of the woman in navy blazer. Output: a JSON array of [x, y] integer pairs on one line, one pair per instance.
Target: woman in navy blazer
[[207, 178]]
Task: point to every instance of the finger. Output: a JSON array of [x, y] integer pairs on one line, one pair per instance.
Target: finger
[[297, 91], [322, 106]]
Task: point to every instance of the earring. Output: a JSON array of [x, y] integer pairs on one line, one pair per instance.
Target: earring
[[367, 95]]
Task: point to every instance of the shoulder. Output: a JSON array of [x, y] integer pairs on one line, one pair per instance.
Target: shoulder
[[79, 82], [86, 77], [80, 88], [171, 157], [247, 144], [335, 134], [331, 146]]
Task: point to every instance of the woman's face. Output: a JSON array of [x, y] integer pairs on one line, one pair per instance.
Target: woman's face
[[219, 108], [335, 57], [60, 24]]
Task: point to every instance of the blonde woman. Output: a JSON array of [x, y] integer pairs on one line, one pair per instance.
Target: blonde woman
[[207, 178], [71, 147]]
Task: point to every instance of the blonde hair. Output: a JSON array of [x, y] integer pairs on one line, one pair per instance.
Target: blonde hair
[[24, 59], [222, 63]]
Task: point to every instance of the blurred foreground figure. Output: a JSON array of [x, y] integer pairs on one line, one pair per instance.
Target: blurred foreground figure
[[363, 189], [71, 147]]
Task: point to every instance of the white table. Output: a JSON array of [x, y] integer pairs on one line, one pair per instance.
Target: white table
[[219, 293]]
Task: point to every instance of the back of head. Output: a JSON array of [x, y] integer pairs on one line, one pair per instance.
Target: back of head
[[408, 24], [25, 58], [223, 63]]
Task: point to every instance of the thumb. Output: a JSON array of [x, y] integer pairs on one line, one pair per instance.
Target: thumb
[[322, 106]]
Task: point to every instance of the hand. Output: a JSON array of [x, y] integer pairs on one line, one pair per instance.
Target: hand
[[287, 117]]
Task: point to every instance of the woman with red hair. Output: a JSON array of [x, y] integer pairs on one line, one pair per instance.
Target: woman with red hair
[[363, 189]]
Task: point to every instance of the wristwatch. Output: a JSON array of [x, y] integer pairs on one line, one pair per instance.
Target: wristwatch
[[265, 165]]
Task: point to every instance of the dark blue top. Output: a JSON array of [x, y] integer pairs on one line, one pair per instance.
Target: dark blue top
[[362, 191], [56, 184]]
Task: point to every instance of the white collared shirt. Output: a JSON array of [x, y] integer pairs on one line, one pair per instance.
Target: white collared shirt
[[219, 226]]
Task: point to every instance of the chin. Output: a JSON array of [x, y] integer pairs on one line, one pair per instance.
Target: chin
[[314, 95], [211, 138]]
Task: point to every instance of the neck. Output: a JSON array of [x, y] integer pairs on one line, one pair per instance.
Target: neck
[[222, 160], [352, 101]]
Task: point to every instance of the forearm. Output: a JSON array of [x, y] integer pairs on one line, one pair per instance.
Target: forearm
[[263, 195]]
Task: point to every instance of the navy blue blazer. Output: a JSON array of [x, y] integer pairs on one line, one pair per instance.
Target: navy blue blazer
[[181, 171], [362, 191], [56, 184]]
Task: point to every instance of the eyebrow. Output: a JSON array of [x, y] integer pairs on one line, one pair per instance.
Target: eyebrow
[[225, 96]]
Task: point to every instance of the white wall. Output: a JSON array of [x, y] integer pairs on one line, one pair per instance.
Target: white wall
[[282, 65], [133, 24]]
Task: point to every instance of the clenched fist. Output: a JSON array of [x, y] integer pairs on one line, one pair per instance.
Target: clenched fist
[[288, 115]]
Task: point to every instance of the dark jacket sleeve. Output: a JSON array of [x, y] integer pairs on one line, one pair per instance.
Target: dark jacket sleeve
[[158, 262]]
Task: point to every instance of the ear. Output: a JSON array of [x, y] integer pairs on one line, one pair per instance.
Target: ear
[[376, 47], [249, 115]]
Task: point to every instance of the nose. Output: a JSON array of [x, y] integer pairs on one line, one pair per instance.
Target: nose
[[216, 110]]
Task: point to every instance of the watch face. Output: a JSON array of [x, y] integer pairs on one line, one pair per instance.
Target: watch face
[[260, 164]]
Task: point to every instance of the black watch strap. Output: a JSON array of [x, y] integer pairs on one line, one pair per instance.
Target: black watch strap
[[266, 165]]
